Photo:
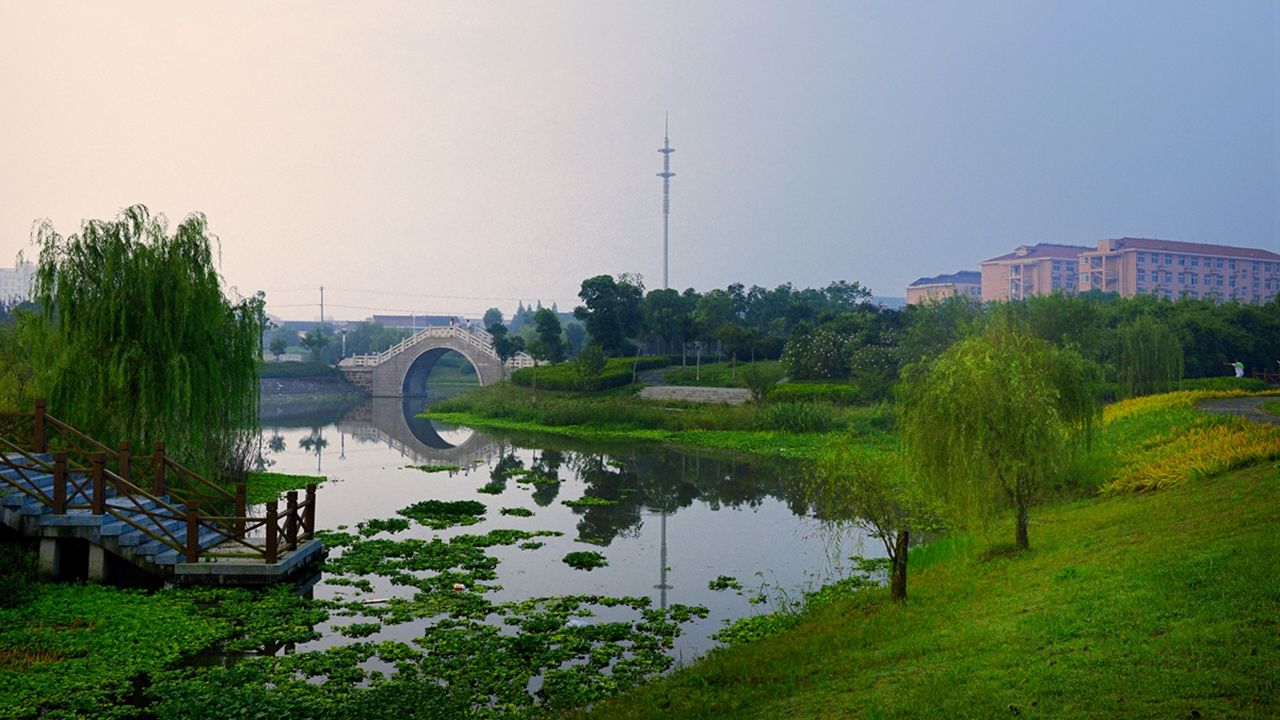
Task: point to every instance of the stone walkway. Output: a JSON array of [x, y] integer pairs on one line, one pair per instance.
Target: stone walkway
[[1246, 407]]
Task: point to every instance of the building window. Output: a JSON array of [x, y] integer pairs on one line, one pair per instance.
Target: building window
[[1182, 278], [1231, 265], [1168, 259], [1141, 257], [1142, 274], [1218, 264], [1195, 262], [1193, 278], [1182, 260], [1168, 276], [1231, 282]]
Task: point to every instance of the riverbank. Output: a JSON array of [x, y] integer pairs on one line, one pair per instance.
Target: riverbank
[[793, 431], [1134, 606], [282, 399]]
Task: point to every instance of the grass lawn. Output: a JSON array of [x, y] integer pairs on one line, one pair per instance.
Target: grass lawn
[[1162, 604], [1272, 407]]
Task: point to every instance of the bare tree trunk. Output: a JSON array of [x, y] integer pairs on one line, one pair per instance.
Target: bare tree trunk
[[898, 575]]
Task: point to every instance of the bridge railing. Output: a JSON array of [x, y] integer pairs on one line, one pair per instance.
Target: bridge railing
[[37, 443], [479, 339]]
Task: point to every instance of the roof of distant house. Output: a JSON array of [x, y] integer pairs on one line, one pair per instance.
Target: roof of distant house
[[964, 277], [1178, 246], [1043, 250]]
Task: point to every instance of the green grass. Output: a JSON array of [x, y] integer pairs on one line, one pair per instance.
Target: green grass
[[264, 487], [1271, 407], [784, 430], [721, 374], [1154, 605]]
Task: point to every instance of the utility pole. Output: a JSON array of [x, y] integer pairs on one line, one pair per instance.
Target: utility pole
[[322, 310], [666, 176]]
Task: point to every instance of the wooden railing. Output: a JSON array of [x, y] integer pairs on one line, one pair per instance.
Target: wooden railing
[[84, 479], [1267, 376]]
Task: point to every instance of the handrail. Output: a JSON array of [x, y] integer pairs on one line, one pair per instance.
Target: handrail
[[83, 482]]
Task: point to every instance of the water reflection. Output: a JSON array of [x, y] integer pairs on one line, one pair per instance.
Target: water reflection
[[671, 520]]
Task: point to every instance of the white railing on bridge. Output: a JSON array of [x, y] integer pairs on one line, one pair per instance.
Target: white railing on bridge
[[477, 338]]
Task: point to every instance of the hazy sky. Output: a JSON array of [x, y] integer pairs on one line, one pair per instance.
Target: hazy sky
[[445, 157]]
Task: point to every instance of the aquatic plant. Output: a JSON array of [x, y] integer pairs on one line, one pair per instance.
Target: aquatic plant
[[440, 514], [585, 560]]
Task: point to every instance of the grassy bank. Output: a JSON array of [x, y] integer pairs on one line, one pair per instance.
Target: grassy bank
[[788, 430], [1151, 605]]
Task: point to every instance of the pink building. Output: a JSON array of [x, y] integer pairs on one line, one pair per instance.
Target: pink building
[[1039, 269], [1172, 269], [966, 282]]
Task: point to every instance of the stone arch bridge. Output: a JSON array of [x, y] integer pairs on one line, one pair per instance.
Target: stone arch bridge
[[403, 369]]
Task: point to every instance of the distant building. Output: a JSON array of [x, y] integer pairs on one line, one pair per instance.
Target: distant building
[[1171, 269], [966, 282], [15, 283], [1040, 269]]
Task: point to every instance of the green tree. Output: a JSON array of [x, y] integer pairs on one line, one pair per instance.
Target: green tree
[[315, 341], [994, 420], [492, 316], [611, 310], [134, 340], [505, 346], [870, 488], [760, 378], [278, 346], [1150, 359], [590, 364], [547, 327]]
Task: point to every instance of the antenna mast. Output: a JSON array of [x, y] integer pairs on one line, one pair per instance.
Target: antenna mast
[[666, 176]]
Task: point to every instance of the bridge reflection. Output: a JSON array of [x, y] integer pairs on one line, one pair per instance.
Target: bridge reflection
[[394, 421]]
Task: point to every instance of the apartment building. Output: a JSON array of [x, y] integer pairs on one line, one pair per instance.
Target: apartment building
[[1172, 269], [1039, 269], [15, 283], [966, 282]]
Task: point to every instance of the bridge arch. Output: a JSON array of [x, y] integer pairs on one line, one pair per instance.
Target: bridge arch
[[391, 373]]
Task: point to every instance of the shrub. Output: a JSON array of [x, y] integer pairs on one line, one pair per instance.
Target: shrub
[[1224, 383], [797, 418], [834, 393], [566, 376]]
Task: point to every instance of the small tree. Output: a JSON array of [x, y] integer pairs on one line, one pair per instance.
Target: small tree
[[547, 327], [994, 420], [759, 378], [590, 363], [492, 316], [278, 346], [315, 341], [504, 346], [869, 487]]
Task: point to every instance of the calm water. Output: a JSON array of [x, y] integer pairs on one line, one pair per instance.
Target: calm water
[[707, 515]]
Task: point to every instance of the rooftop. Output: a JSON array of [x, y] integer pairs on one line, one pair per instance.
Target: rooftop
[[964, 277], [1043, 250], [1128, 243]]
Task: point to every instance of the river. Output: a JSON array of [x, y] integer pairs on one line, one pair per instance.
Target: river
[[682, 518]]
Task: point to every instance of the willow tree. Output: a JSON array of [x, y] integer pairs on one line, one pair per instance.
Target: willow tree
[[869, 487], [993, 421], [135, 340], [1150, 359]]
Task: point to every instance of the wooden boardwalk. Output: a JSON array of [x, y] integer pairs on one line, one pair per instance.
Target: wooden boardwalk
[[61, 486]]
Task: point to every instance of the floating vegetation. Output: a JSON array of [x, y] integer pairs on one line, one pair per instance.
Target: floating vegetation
[[517, 512], [492, 489], [585, 560], [588, 501], [369, 528], [440, 514], [263, 487], [724, 582], [434, 468], [531, 545], [360, 630]]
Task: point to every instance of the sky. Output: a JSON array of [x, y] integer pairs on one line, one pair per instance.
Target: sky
[[445, 157]]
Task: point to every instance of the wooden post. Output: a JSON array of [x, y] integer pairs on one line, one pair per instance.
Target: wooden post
[[125, 469], [158, 487], [193, 534], [39, 442], [99, 461], [242, 509], [291, 520], [59, 483], [309, 513], [273, 540]]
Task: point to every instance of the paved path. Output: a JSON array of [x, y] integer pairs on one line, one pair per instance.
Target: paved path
[[1246, 407], [689, 393]]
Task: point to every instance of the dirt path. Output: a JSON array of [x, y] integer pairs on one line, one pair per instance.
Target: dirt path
[[1247, 407]]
